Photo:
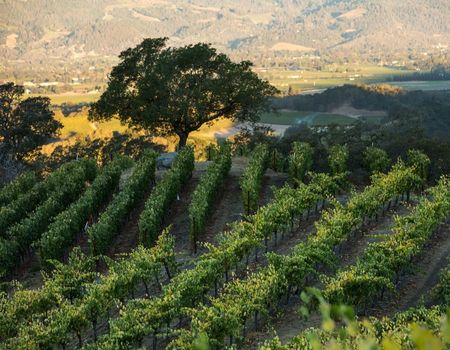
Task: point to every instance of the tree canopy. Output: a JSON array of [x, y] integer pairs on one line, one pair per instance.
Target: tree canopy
[[174, 91], [25, 124]]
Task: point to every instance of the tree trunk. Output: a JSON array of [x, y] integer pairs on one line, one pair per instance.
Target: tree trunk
[[183, 140]]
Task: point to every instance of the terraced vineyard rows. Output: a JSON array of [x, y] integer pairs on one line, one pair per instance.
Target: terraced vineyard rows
[[230, 311], [169, 291]]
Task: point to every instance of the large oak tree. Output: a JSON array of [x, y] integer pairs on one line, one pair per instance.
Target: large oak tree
[[25, 124], [174, 91]]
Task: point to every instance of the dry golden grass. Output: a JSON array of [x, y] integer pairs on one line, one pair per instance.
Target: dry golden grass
[[78, 127]]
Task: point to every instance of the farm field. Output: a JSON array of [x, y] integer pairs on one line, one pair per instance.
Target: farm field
[[187, 246], [71, 98], [300, 80]]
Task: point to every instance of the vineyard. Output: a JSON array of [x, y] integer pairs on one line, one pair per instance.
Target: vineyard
[[243, 252]]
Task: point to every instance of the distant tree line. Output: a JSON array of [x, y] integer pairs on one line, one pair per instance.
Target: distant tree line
[[429, 110], [438, 73]]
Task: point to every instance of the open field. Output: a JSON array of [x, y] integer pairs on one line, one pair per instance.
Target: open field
[[77, 126], [300, 80], [71, 98]]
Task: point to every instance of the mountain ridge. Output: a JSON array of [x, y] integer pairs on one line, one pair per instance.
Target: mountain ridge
[[65, 29]]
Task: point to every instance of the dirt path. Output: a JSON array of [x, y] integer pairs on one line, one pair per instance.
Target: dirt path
[[128, 238], [228, 207], [271, 178], [178, 215]]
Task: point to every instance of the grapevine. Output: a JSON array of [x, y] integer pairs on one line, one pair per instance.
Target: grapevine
[[203, 197], [251, 180], [103, 232], [163, 195]]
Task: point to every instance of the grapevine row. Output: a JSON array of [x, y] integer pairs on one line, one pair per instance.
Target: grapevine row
[[68, 224], [22, 235], [163, 195], [442, 290], [17, 187], [412, 329], [204, 195], [382, 262], [398, 330], [103, 232], [59, 325], [24, 204], [144, 317], [66, 283], [251, 180], [300, 161], [242, 298]]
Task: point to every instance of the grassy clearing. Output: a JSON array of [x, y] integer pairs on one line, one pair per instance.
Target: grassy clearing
[[284, 117], [328, 119], [71, 98], [77, 127]]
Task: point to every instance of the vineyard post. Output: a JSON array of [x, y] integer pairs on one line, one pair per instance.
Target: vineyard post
[[158, 284], [155, 339], [80, 341], [166, 267], [288, 294], [94, 328], [146, 287], [194, 236], [248, 202]]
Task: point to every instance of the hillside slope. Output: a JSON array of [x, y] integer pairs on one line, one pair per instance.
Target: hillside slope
[[38, 29]]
